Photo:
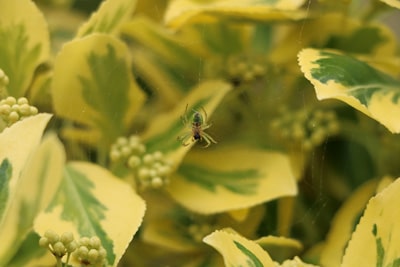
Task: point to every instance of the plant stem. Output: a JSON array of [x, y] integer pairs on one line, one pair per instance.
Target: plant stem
[[59, 262]]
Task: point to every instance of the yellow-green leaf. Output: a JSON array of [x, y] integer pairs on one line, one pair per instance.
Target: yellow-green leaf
[[238, 251], [110, 15], [228, 178], [393, 3], [93, 86], [19, 140], [376, 238], [92, 201], [343, 224], [24, 43], [280, 248], [33, 190], [340, 76], [180, 12], [162, 59], [30, 254], [165, 128]]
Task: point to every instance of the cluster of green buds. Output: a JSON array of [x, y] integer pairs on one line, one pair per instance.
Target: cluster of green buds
[[90, 252], [151, 170], [87, 251], [13, 110], [309, 128], [197, 231], [59, 246], [3, 83], [244, 71]]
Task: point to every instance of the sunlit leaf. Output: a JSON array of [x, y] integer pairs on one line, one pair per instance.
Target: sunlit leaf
[[165, 128], [180, 12], [376, 238], [238, 251], [230, 178], [339, 76], [32, 192], [344, 224], [24, 43], [92, 201], [93, 86], [110, 15], [393, 3]]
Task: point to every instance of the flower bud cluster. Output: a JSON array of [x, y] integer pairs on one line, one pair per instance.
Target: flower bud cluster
[[197, 231], [58, 245], [90, 252], [242, 71], [151, 169], [310, 128], [13, 110]]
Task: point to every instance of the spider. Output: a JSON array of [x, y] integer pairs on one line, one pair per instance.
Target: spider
[[197, 128]]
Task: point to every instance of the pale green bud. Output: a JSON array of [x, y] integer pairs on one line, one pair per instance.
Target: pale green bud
[[52, 236], [134, 162], [22, 101], [10, 101], [44, 242], [93, 255], [33, 110], [24, 109], [59, 249], [13, 116], [95, 242], [67, 237]]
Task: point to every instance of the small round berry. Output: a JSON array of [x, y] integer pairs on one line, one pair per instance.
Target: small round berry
[[134, 162], [115, 155], [72, 246], [148, 159], [24, 109], [84, 241], [59, 249], [44, 242], [33, 110], [22, 101], [143, 173], [52, 236], [5, 109], [82, 251], [157, 182], [67, 237], [10, 101], [93, 255], [126, 151], [95, 242], [13, 116], [122, 141]]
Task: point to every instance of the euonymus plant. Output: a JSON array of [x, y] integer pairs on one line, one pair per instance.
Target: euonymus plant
[[199, 133]]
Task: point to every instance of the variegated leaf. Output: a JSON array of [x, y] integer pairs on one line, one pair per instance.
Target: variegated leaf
[[229, 178], [24, 43], [343, 77], [93, 202]]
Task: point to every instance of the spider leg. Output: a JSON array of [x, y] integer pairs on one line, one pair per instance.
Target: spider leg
[[208, 139], [184, 138], [184, 118], [205, 114], [206, 126]]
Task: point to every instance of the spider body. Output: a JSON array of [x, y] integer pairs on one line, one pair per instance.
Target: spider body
[[198, 126]]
